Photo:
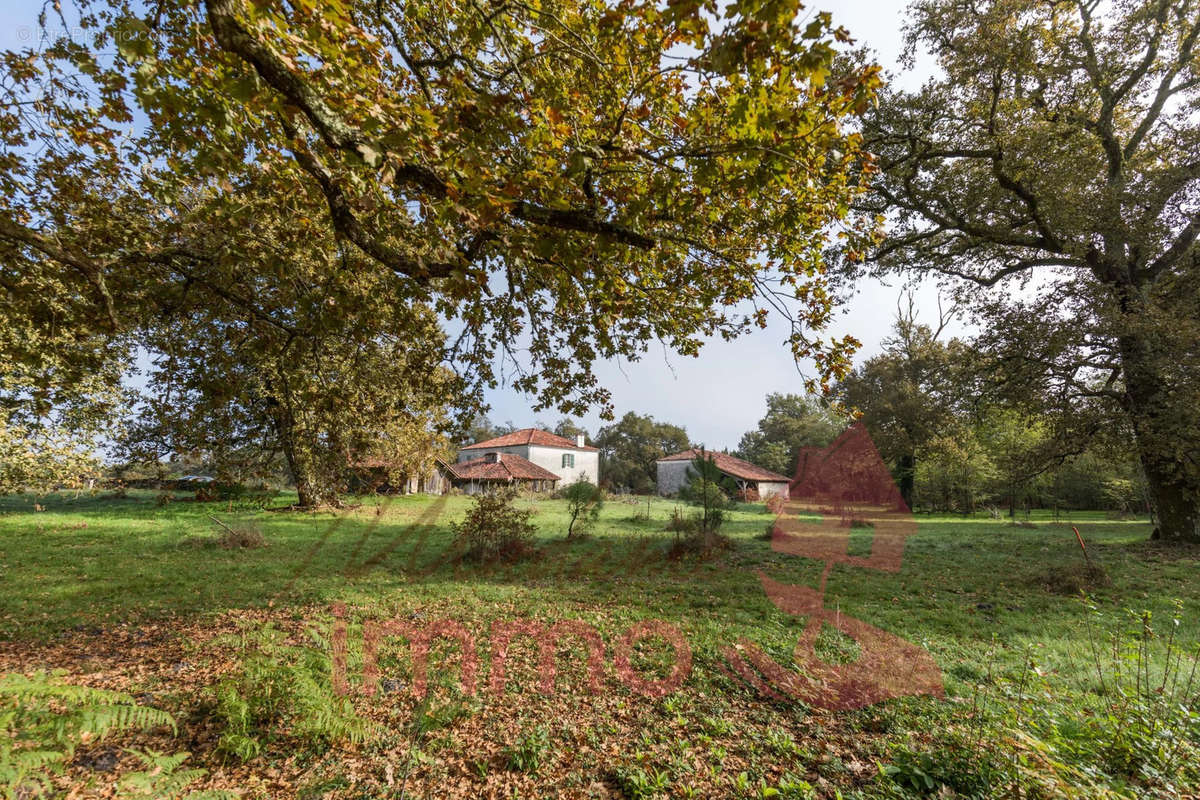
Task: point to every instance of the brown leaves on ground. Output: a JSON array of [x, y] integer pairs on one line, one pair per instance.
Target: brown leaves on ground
[[707, 736]]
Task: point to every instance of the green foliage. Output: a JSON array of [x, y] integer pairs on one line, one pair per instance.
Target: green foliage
[[792, 422], [43, 719], [953, 473], [584, 501], [1129, 727], [791, 787], [710, 489], [162, 778], [529, 751], [700, 532], [630, 447], [284, 252], [33, 458], [958, 764], [1048, 173], [282, 691], [1122, 493], [494, 529], [257, 402], [679, 522], [640, 783], [910, 395]]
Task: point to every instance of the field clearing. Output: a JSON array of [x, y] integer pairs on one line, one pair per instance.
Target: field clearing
[[117, 592]]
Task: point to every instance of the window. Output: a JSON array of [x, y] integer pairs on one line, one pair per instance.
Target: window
[[568, 460]]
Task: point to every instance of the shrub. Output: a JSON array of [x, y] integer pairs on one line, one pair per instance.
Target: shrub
[[1075, 579], [584, 501], [637, 783], [162, 778], [229, 537], [279, 691], [241, 537], [494, 529], [680, 523], [219, 490]]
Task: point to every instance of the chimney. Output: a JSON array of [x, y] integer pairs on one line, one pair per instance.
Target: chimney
[[579, 439], [491, 458]]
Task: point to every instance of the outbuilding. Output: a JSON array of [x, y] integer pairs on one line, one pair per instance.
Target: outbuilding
[[499, 470], [752, 480]]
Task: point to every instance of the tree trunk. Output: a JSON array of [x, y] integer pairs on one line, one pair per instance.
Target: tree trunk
[[907, 468], [307, 487], [1173, 484], [311, 490]]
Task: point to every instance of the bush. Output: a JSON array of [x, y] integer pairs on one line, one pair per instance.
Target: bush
[[692, 537], [241, 537], [584, 501], [229, 537], [748, 495], [218, 490], [495, 530], [680, 523], [776, 504], [529, 750]]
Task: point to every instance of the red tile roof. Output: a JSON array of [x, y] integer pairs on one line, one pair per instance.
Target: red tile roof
[[506, 467], [730, 465], [529, 436]]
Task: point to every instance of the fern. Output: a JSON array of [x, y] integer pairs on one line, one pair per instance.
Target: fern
[[44, 719], [163, 779], [282, 691]]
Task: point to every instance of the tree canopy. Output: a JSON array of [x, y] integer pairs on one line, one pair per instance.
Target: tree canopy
[[630, 447], [909, 394], [464, 159], [1057, 160], [792, 422]]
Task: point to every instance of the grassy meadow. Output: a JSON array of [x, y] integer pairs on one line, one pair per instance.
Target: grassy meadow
[[130, 595]]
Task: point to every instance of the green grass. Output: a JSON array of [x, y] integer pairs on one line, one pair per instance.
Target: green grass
[[971, 590], [92, 561]]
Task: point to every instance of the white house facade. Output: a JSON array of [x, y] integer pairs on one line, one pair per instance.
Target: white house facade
[[569, 460]]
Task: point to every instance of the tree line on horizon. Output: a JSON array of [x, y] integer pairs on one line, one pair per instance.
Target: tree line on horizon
[[932, 408], [326, 230]]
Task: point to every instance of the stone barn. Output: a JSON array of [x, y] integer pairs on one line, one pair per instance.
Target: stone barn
[[751, 479]]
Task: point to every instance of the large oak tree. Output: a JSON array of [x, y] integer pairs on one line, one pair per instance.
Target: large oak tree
[[1054, 166], [560, 182]]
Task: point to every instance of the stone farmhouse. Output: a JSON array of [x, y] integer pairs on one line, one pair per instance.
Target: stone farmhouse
[[673, 474], [527, 459]]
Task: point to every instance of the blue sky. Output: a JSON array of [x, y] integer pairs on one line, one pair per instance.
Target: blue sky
[[720, 394]]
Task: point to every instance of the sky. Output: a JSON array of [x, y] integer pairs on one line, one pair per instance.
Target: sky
[[722, 393]]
